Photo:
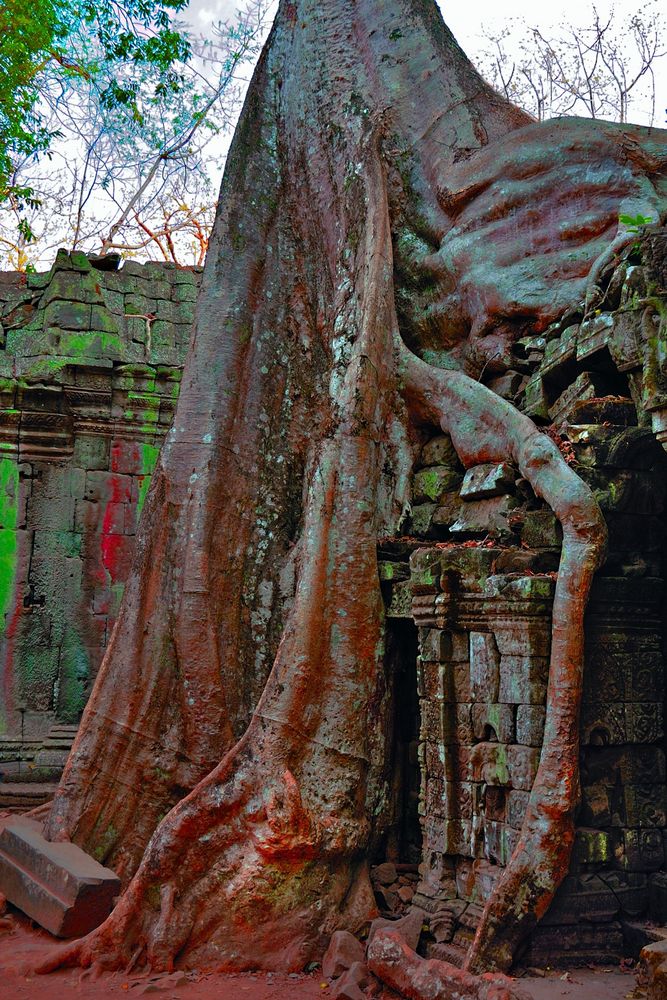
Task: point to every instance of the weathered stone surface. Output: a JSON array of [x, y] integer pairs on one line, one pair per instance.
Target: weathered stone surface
[[484, 667], [353, 983], [440, 451], [433, 483], [488, 517], [488, 481], [535, 402], [343, 951], [407, 928], [79, 398], [587, 385], [654, 960], [495, 719], [530, 725], [58, 885], [523, 677], [385, 874], [540, 529]]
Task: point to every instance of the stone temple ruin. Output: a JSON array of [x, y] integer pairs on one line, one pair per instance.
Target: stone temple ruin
[[91, 365], [91, 362]]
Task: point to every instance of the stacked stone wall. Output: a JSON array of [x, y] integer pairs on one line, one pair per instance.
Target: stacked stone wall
[[90, 369], [477, 576]]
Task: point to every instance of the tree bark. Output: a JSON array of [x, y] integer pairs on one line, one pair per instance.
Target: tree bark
[[230, 762]]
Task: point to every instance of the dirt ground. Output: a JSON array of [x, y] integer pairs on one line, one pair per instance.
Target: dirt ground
[[23, 947]]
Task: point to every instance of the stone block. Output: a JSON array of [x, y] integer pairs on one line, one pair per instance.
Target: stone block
[[522, 763], [457, 725], [489, 763], [421, 519], [530, 725], [467, 568], [353, 983], [625, 344], [596, 806], [594, 335], [91, 452], [603, 723], [447, 511], [440, 451], [434, 645], [425, 571], [484, 667], [431, 681], [594, 846], [517, 803], [433, 803], [499, 842], [641, 851], [644, 806], [456, 683], [67, 316], [103, 321], [644, 722], [433, 724], [400, 601], [522, 588], [108, 487], [450, 836], [436, 760], [523, 678], [525, 638], [630, 448], [560, 353], [429, 485], [343, 951], [493, 721], [535, 402], [587, 385], [541, 530], [58, 885], [491, 480], [485, 517], [654, 960]]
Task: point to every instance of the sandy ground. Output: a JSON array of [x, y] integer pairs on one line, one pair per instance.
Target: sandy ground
[[22, 948]]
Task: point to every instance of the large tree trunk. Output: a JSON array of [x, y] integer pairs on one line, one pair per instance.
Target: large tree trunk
[[230, 761]]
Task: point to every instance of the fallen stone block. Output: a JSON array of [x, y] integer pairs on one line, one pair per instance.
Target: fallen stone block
[[343, 951], [384, 874], [400, 968], [352, 983], [653, 959], [56, 884], [408, 928]]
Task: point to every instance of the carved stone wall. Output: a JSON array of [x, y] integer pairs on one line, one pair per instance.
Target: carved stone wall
[[90, 368], [477, 574]]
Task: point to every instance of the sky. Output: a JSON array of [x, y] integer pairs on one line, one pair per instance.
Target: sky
[[471, 23]]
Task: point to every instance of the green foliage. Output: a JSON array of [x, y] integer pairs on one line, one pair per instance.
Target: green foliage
[[634, 223], [84, 39]]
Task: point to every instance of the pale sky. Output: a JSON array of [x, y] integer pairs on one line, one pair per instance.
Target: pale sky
[[470, 21]]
